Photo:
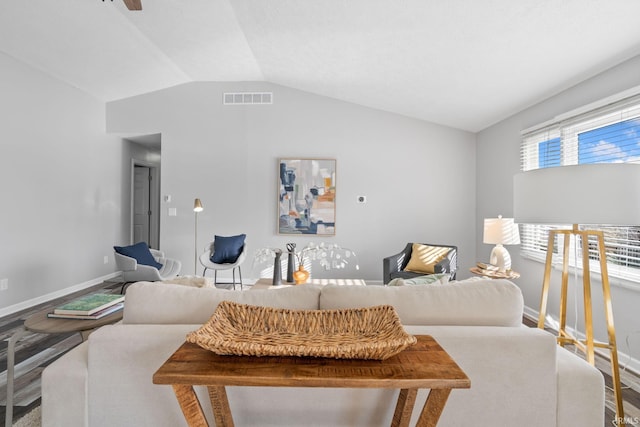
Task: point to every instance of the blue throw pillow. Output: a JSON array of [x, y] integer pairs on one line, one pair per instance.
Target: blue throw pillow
[[226, 250], [140, 251]]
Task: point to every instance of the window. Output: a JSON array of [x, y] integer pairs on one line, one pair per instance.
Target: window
[[608, 134]]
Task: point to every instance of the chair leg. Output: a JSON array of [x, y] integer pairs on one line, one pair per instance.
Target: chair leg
[[215, 277], [240, 274], [233, 277]]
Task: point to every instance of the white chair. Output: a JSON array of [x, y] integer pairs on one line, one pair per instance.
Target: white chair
[[134, 272], [205, 260]]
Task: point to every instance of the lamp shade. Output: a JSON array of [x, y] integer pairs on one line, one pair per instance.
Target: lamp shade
[[607, 194], [197, 206], [501, 231]]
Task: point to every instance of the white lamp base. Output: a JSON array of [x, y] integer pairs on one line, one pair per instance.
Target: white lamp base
[[500, 257]]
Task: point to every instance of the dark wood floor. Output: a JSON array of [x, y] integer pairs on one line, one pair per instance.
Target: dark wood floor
[[36, 351]]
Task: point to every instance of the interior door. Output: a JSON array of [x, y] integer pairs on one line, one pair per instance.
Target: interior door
[[141, 204]]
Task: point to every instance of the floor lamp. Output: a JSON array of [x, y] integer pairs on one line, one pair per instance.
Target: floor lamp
[[582, 194], [197, 207]]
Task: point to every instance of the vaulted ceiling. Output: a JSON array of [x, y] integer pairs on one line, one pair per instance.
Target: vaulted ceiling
[[460, 63]]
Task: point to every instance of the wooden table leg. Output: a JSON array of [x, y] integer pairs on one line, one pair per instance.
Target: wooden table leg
[[190, 405], [433, 407], [220, 406], [404, 407]]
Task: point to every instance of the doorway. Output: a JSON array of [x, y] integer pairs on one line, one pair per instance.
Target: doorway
[[145, 190]]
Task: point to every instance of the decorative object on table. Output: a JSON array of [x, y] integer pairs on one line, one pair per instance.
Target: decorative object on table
[[94, 316], [225, 253], [197, 208], [277, 268], [493, 272], [557, 196], [501, 231], [396, 266], [140, 263], [301, 275], [330, 256], [89, 304], [291, 252], [307, 196], [263, 255], [248, 330]]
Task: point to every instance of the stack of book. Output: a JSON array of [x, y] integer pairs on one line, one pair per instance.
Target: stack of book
[[488, 269], [89, 307]]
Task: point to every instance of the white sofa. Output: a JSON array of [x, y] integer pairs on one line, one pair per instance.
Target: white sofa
[[518, 375]]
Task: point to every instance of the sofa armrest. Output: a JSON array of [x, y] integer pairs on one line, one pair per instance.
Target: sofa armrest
[[122, 360], [580, 391], [65, 388], [512, 372], [157, 254], [125, 263], [394, 263]]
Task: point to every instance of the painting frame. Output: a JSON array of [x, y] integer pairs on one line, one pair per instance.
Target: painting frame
[[306, 196]]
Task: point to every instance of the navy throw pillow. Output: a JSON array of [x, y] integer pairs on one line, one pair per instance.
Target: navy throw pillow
[[140, 251], [226, 250]]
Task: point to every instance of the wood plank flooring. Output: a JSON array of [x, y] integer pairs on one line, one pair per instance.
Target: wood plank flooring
[[36, 351]]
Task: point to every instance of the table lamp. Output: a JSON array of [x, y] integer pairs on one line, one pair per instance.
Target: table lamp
[[603, 194], [501, 231]]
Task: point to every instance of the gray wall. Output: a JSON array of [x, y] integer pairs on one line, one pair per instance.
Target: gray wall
[[497, 162], [61, 186], [418, 177]]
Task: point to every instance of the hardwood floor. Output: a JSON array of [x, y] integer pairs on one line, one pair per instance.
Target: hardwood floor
[[36, 351]]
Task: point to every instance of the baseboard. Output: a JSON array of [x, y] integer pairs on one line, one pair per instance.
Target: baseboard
[[57, 294], [625, 361]]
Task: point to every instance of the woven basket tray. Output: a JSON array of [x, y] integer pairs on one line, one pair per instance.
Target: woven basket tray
[[247, 330]]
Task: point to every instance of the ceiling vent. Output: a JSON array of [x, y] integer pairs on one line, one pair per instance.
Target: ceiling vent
[[244, 98]]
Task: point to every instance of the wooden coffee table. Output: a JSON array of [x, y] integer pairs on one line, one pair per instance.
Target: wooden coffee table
[[423, 365]]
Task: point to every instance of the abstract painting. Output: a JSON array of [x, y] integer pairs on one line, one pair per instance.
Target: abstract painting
[[307, 196]]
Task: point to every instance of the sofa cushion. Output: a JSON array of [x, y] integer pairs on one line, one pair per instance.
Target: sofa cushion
[[479, 302], [162, 303], [140, 252], [424, 258], [226, 250]]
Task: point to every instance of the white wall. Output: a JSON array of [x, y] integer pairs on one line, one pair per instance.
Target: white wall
[[497, 162], [61, 186], [418, 177]]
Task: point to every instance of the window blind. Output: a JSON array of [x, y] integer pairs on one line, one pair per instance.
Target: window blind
[[607, 134]]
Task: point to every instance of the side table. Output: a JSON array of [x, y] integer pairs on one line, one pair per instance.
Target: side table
[[40, 323], [423, 365]]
